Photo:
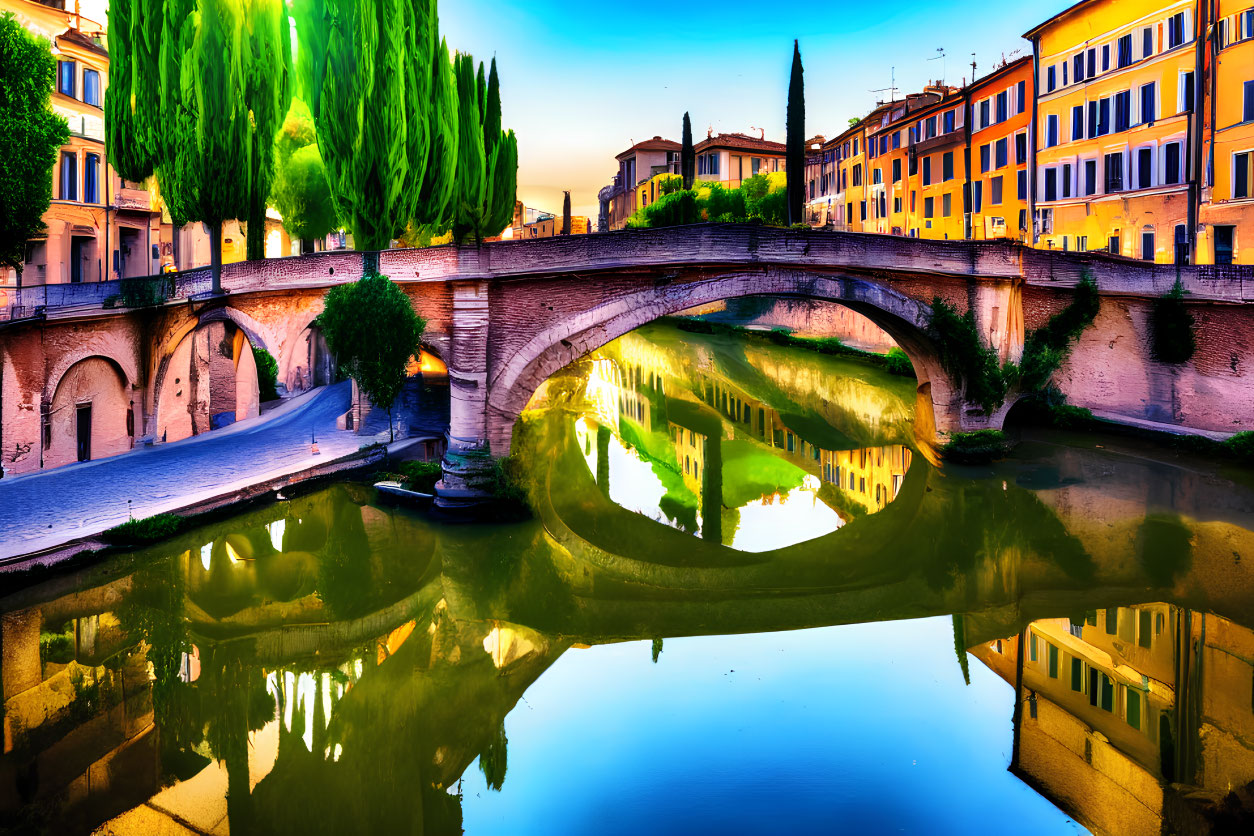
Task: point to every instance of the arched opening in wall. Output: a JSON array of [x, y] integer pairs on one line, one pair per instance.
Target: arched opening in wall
[[209, 381], [91, 414], [716, 418], [422, 408], [309, 364]]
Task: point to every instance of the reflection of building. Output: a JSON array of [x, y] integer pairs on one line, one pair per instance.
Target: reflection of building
[[872, 475], [1125, 702]]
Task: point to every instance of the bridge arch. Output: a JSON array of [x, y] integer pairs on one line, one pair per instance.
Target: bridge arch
[[510, 387], [89, 412]]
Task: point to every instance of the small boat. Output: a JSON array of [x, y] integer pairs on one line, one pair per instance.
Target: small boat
[[395, 492]]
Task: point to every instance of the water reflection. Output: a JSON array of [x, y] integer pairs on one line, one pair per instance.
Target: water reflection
[[709, 436], [328, 665]]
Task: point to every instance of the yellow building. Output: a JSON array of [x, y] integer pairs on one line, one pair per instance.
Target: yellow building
[[871, 476], [1116, 87], [1227, 210]]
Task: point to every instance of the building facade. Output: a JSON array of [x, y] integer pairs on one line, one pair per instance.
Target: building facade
[[730, 159]]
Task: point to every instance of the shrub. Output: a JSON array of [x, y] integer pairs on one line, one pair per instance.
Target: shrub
[[897, 362], [1171, 328], [978, 447], [143, 531], [267, 374], [1241, 447], [1046, 347], [964, 355], [421, 476]]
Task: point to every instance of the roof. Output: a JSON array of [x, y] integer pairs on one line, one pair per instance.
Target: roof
[[1004, 69], [79, 39], [655, 144], [1035, 30], [743, 141]]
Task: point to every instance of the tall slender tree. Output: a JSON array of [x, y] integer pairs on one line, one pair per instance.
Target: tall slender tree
[[795, 153], [566, 213], [487, 159], [209, 121], [30, 134], [361, 108], [268, 95], [688, 157], [433, 210]]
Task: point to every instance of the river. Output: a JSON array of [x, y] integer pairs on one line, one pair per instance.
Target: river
[[749, 601]]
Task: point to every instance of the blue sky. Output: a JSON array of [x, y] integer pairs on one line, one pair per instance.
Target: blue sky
[[580, 81]]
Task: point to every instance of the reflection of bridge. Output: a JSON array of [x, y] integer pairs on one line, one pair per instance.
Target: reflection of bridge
[[507, 315]]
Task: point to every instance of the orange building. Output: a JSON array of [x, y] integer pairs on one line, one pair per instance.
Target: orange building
[[1000, 128]]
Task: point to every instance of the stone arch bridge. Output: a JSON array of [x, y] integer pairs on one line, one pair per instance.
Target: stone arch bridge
[[506, 315]]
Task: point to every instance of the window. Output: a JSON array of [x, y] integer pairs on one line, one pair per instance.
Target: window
[[1114, 247], [1247, 111], [1171, 163], [1064, 73], [863, 210], [1225, 243], [897, 139], [1077, 122], [1147, 246], [1125, 50], [1092, 62], [1090, 177], [1147, 42], [1003, 106], [1077, 67], [985, 158], [856, 140], [69, 176], [1123, 110], [927, 171], [897, 170], [947, 166], [1022, 192], [949, 121], [1002, 152], [91, 87], [1175, 30], [929, 204], [1077, 674], [1241, 174], [1050, 84], [1051, 131], [1132, 707], [1145, 629], [930, 127], [755, 165], [1051, 184], [1052, 660], [857, 174], [65, 77], [877, 176], [897, 204], [1105, 57], [1144, 168], [1114, 172], [994, 191], [947, 205], [1149, 104], [1021, 97], [1103, 117], [1092, 120], [1021, 148], [1186, 92], [985, 121], [1066, 180], [978, 196], [91, 179]]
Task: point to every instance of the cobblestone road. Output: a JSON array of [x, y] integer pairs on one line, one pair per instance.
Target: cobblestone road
[[43, 509]]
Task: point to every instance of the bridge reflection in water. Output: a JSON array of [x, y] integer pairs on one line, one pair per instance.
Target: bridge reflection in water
[[325, 664]]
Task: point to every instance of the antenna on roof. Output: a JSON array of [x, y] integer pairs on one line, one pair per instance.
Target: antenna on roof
[[973, 68], [891, 89], [940, 53]]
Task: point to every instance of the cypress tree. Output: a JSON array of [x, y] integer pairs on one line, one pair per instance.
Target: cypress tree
[[133, 116], [209, 122], [471, 163], [433, 210], [795, 155], [566, 213], [268, 95], [687, 156]]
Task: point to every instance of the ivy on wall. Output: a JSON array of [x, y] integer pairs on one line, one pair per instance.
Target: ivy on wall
[[987, 381], [1171, 328]]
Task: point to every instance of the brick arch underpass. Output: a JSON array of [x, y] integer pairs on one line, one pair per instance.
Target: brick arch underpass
[[511, 385]]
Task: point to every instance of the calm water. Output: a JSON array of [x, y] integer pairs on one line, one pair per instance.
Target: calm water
[[749, 603]]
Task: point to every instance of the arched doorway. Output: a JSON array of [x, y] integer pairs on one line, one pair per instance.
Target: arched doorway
[[309, 364], [90, 414], [210, 381]]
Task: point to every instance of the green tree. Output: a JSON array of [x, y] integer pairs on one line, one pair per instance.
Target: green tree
[[566, 213], [301, 193], [30, 134], [487, 157], [687, 156], [354, 75], [371, 328], [433, 211], [268, 95], [134, 88], [208, 119], [795, 148]]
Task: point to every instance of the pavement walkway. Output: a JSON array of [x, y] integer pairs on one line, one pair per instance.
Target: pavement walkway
[[47, 508]]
